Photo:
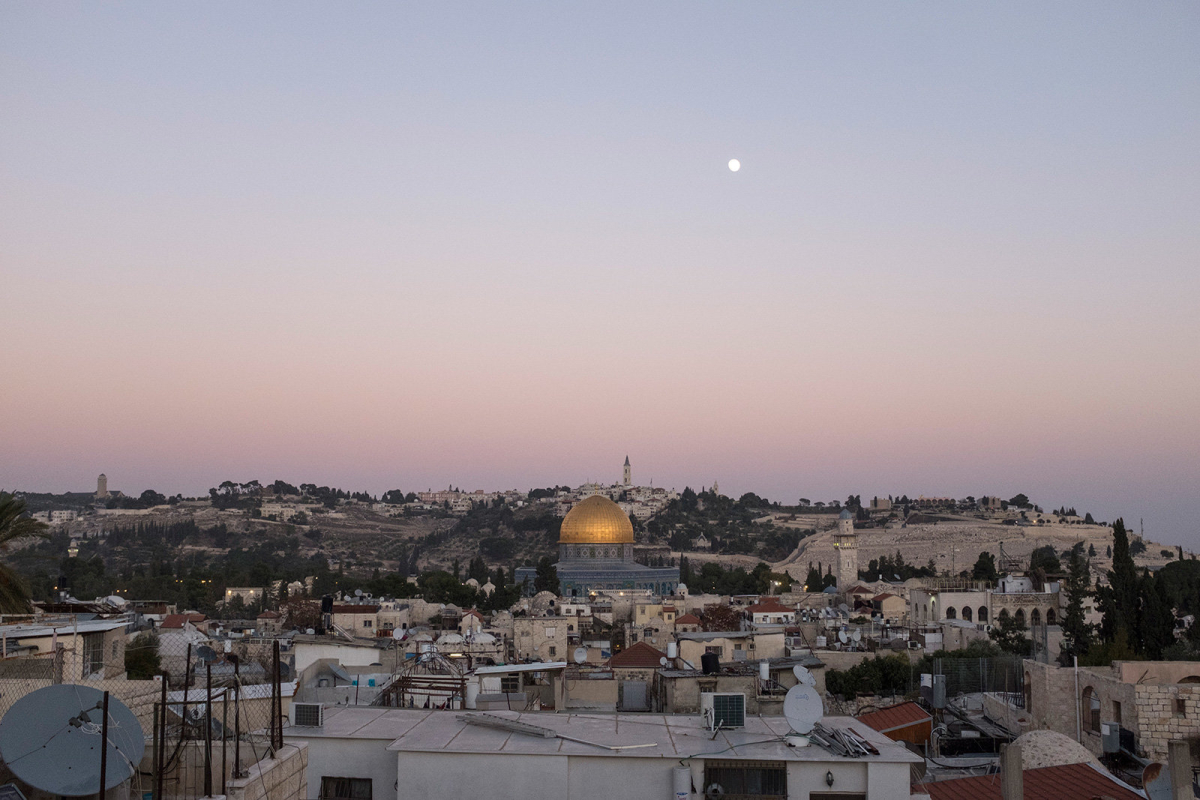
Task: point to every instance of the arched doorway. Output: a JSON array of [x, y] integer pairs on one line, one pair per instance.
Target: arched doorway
[[982, 617], [967, 613], [1091, 710]]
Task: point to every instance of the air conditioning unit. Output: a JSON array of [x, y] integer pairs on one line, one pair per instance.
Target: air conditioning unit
[[723, 709], [1110, 737], [308, 715]]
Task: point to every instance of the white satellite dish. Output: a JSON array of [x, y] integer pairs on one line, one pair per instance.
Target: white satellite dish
[[358, 592], [842, 637], [804, 676], [1157, 781], [664, 661], [399, 633], [580, 655], [48, 739], [803, 708], [857, 635]]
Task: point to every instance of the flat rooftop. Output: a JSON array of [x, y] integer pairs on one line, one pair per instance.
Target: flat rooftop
[[669, 736]]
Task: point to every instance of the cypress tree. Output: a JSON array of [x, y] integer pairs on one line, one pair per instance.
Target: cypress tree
[[1077, 633]]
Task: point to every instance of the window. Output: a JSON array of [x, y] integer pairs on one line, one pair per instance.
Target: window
[[551, 632], [1180, 707], [366, 623], [553, 651], [717, 650], [746, 779], [1091, 710], [510, 684], [345, 788], [633, 637], [93, 654], [951, 613], [1116, 712], [982, 617]]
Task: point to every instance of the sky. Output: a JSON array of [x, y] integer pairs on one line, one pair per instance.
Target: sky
[[382, 246]]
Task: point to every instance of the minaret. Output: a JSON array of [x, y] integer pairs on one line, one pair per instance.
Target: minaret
[[628, 479], [101, 487], [846, 542]]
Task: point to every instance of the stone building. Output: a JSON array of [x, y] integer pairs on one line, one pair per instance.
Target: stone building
[[545, 638], [846, 542], [1158, 701]]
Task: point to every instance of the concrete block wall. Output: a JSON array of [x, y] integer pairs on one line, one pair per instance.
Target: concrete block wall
[[280, 778]]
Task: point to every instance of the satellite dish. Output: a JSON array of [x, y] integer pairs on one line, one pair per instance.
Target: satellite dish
[[580, 655], [664, 661], [206, 654], [844, 607], [842, 637], [1156, 780], [713, 791], [857, 635], [803, 708], [804, 676], [399, 633], [894, 575], [358, 592], [48, 739]]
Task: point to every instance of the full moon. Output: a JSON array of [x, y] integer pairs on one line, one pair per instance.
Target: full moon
[[734, 165]]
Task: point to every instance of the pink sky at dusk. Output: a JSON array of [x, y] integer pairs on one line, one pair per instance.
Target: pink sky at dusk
[[405, 249]]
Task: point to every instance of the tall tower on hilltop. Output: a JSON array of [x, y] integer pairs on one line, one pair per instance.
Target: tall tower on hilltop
[[846, 542], [627, 480], [101, 487]]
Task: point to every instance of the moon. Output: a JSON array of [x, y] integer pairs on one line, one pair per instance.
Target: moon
[[734, 165]]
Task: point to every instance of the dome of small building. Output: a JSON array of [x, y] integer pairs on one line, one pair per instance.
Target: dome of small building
[[1051, 749], [596, 520], [845, 514]]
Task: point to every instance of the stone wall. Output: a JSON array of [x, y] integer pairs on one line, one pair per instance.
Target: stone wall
[[280, 778], [1165, 713]]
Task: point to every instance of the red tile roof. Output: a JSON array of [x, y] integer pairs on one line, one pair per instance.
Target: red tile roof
[[881, 597], [472, 613], [769, 607], [177, 620], [269, 615], [639, 656], [687, 619], [1068, 782], [893, 717]]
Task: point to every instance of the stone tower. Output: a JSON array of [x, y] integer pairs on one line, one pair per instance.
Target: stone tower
[[101, 486], [846, 542], [627, 479]]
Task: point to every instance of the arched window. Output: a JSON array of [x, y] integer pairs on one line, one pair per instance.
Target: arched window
[[982, 614], [967, 613], [1191, 679], [1091, 710], [1035, 617], [1051, 617], [1003, 614], [951, 613], [1020, 617]]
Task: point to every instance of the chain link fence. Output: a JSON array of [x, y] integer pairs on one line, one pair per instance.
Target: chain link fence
[[209, 712]]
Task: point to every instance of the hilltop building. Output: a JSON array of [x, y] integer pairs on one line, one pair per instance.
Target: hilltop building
[[102, 487], [627, 478], [846, 542], [596, 553]]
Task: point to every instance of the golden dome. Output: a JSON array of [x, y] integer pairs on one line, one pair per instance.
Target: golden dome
[[596, 520]]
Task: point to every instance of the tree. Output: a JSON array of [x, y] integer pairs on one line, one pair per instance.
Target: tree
[[142, 661], [814, 581], [546, 577], [1045, 559], [14, 525], [477, 569], [1009, 634], [1156, 623], [1078, 635], [1120, 599], [718, 617], [1020, 501], [985, 568]]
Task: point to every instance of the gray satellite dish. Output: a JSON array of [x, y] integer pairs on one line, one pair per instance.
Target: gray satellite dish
[[664, 661], [857, 635], [49, 740], [580, 655], [844, 607], [206, 654], [399, 633], [803, 708], [842, 637], [358, 592], [1156, 780], [804, 676]]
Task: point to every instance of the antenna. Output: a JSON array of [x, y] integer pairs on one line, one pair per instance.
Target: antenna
[[580, 655], [803, 709], [49, 740]]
